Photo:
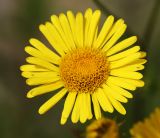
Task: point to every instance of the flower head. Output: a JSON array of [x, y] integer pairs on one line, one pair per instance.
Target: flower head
[[149, 128], [85, 63], [102, 128]]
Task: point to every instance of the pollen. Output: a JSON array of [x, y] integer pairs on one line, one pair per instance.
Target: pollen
[[84, 70]]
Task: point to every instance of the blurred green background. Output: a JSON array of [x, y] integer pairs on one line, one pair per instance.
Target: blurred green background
[[19, 21]]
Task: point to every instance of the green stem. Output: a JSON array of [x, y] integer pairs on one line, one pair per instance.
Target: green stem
[[151, 25], [104, 9]]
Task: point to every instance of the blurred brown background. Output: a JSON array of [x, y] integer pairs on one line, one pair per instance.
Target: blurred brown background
[[19, 21]]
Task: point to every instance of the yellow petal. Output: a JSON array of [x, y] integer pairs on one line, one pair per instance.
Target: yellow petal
[[143, 54], [126, 74], [68, 105], [125, 61], [28, 74], [114, 94], [114, 29], [44, 89], [72, 22], [97, 110], [76, 110], [89, 106], [29, 67], [137, 83], [120, 90], [134, 67], [58, 39], [36, 53], [121, 82], [42, 63], [52, 101], [83, 108], [151, 129], [124, 53], [103, 101], [67, 30], [46, 51], [95, 35], [122, 45], [41, 80], [79, 29], [46, 32], [139, 61], [114, 38], [104, 31], [117, 105], [88, 17], [56, 22], [92, 27]]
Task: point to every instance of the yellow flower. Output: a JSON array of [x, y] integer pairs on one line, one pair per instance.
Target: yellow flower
[[102, 128], [149, 128], [86, 65]]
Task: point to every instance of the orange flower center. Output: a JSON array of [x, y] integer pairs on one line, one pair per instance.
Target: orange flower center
[[84, 70]]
